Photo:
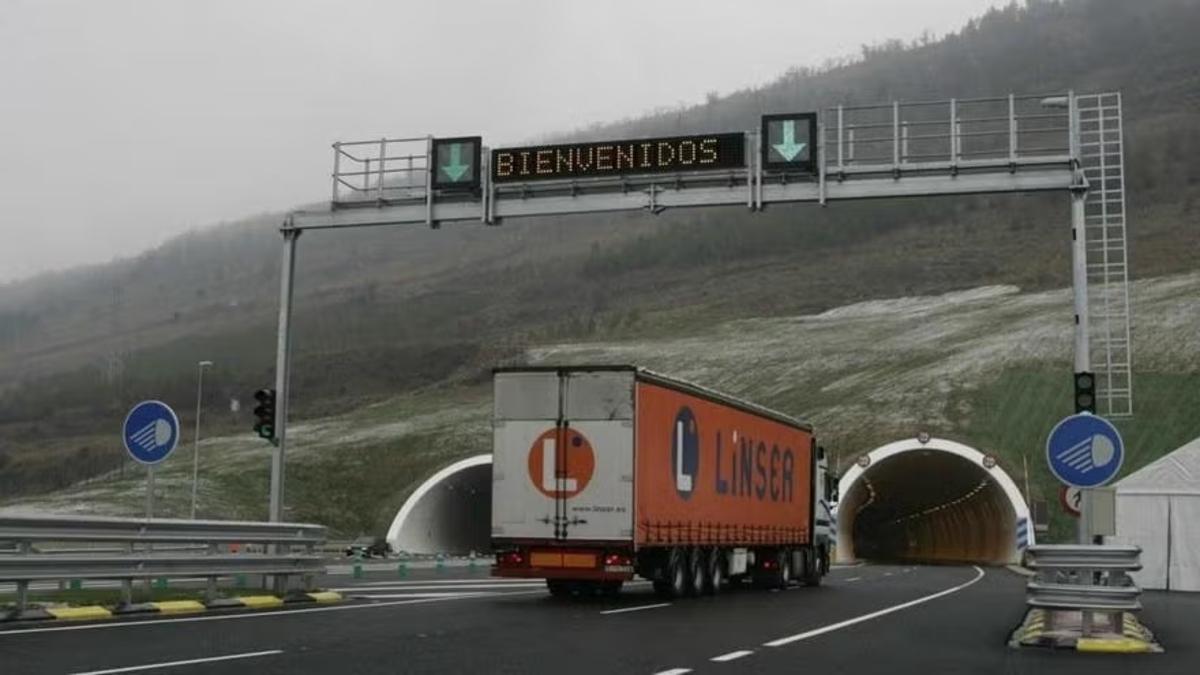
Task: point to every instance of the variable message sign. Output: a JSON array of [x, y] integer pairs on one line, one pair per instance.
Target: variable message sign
[[616, 158]]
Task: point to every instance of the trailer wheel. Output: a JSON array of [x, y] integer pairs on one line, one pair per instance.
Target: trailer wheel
[[675, 585], [714, 572], [611, 589], [696, 570]]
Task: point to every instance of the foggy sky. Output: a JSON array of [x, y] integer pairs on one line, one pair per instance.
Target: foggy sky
[[125, 122]]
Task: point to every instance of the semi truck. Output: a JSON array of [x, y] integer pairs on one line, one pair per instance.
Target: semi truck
[[601, 474]]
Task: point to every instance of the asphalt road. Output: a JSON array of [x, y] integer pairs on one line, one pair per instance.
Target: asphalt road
[[865, 619]]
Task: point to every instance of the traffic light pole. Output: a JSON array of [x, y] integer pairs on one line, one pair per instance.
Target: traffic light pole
[[283, 366], [1079, 281]]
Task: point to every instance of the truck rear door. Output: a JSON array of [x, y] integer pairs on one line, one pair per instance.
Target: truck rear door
[[562, 465]]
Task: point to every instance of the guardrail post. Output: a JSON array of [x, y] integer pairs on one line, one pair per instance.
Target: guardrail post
[[23, 547], [308, 579], [22, 596]]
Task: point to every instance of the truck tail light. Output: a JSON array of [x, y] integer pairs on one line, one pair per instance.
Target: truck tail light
[[613, 559], [510, 559], [769, 564]]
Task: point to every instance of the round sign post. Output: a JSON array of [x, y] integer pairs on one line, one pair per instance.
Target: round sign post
[[150, 433], [1084, 451]]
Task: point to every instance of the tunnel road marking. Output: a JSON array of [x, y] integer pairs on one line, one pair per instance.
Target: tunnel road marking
[[874, 615], [173, 664], [853, 579], [674, 671], [636, 609], [732, 655], [260, 615]]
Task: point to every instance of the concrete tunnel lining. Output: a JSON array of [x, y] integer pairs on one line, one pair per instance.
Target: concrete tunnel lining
[[448, 513], [930, 502]]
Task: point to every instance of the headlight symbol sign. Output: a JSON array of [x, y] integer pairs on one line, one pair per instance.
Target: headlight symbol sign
[[561, 470], [150, 432], [1084, 450]]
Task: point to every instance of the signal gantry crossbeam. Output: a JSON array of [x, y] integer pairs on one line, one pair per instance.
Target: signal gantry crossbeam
[[1016, 143]]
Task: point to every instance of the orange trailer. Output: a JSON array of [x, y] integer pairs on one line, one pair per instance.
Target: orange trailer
[[604, 473]]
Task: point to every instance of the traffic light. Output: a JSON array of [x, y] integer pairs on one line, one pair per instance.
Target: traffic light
[[264, 414], [1085, 392]]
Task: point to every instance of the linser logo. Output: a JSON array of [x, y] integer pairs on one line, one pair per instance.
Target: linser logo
[[685, 452], [745, 468], [561, 470]]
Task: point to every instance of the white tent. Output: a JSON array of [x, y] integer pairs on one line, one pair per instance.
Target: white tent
[[1158, 508]]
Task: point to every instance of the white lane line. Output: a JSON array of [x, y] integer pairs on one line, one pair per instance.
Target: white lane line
[[173, 664], [461, 587], [420, 582], [845, 566], [635, 609], [873, 615], [853, 579], [674, 671], [393, 596], [887, 574], [256, 615], [731, 656]]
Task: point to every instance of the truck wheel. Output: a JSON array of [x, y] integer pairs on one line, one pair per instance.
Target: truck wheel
[[785, 569], [816, 568], [715, 572], [696, 570], [675, 585], [610, 589], [558, 588]]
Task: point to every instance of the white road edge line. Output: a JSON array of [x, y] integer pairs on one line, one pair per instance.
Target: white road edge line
[[674, 671], [853, 579], [258, 615], [635, 609], [732, 655], [873, 615], [172, 664]]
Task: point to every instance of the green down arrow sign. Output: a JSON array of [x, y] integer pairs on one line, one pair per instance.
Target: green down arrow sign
[[456, 169], [789, 148], [456, 162]]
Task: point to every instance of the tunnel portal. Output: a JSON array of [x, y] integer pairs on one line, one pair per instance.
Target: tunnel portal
[[932, 501], [449, 513]]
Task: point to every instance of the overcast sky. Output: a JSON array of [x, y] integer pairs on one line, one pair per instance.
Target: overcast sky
[[125, 122]]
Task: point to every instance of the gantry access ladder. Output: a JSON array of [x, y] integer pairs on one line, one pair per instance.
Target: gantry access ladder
[[1102, 162]]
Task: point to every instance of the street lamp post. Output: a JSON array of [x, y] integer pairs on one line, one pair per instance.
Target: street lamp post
[[196, 445]]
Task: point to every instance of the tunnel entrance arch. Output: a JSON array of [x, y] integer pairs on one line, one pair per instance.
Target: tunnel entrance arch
[[450, 513], [931, 500]]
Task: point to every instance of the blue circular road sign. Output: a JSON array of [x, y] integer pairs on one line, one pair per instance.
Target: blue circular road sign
[[151, 432], [1084, 450]]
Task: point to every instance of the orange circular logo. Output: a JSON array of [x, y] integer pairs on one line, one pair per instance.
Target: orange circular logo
[[561, 463]]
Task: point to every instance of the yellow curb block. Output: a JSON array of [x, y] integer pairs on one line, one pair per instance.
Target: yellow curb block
[[85, 613], [1112, 646], [325, 597], [261, 601], [179, 607]]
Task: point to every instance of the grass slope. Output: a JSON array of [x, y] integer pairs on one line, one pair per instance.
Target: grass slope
[[989, 367]]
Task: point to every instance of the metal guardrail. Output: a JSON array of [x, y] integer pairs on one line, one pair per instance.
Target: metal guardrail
[[191, 548], [1091, 580]]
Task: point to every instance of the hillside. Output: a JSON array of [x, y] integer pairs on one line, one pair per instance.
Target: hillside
[[987, 366], [406, 312]]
